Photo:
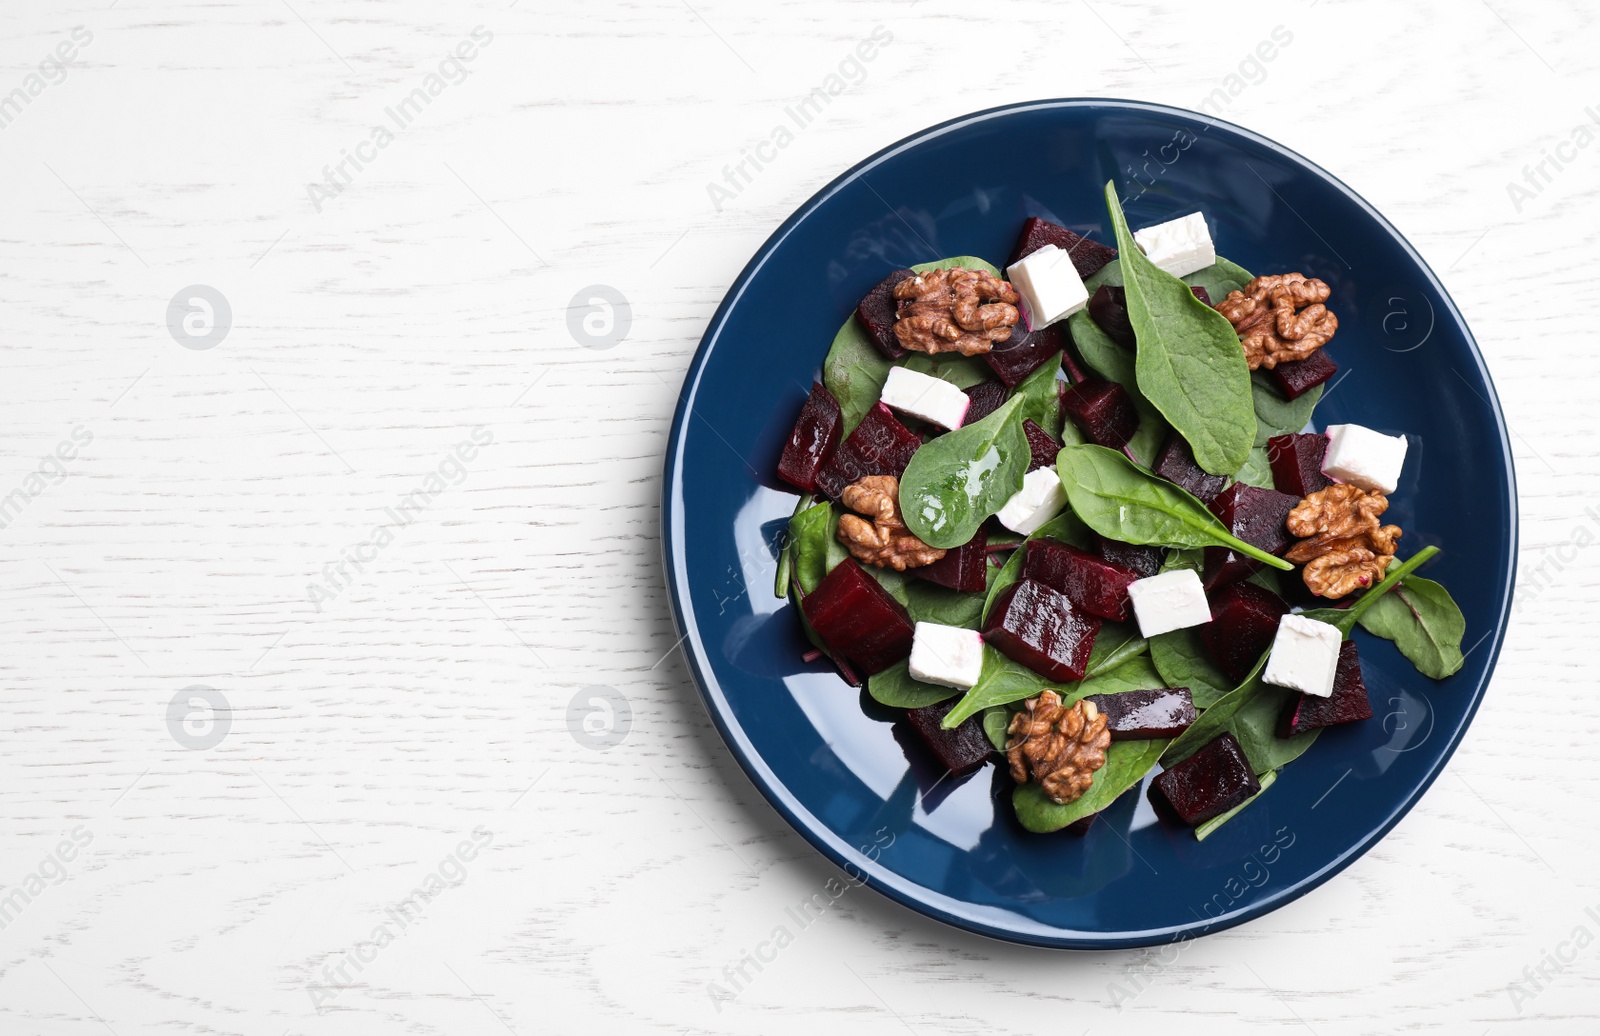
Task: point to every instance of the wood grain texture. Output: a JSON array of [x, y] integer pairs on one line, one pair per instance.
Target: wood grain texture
[[209, 890]]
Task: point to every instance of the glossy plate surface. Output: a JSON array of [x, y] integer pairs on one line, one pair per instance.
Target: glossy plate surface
[[850, 777]]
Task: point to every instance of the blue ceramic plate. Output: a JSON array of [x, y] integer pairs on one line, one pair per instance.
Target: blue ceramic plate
[[845, 771]]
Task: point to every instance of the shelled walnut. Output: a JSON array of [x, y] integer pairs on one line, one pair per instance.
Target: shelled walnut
[[955, 310], [1271, 323], [1342, 544], [881, 538], [1056, 746]]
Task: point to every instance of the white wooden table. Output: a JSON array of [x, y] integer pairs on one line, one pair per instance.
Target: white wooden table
[[372, 501]]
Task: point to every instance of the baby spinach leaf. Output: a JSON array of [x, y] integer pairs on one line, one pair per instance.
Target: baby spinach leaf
[[1193, 558], [929, 602], [897, 583], [1345, 619], [1204, 831], [1117, 643], [1424, 623], [960, 371], [1219, 278], [811, 532], [854, 371], [896, 687], [1183, 661], [1188, 362], [1250, 713], [786, 555], [1004, 681], [1257, 470], [995, 720], [1276, 415], [1041, 398], [1114, 363], [1064, 527], [1126, 764], [958, 480], [1123, 502]]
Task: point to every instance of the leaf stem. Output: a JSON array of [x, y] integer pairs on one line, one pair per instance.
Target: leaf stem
[[1390, 581], [1071, 368]]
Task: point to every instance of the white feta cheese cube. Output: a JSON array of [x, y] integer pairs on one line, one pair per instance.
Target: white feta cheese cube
[[1181, 246], [946, 655], [1305, 655], [1040, 499], [1364, 457], [1049, 284], [923, 395], [1169, 601]]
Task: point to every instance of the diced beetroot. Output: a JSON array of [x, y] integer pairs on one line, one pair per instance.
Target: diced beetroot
[[961, 750], [1040, 445], [1108, 308], [1088, 256], [877, 314], [1175, 463], [856, 616], [986, 398], [1092, 584], [812, 442], [1347, 704], [880, 445], [1207, 784], [964, 568], [1297, 377], [1146, 715], [1104, 412], [1026, 351], [1297, 463], [1037, 626], [1244, 619], [1201, 294], [1145, 560], [1255, 516]]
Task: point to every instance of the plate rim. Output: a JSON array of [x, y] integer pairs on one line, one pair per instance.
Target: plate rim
[[827, 842]]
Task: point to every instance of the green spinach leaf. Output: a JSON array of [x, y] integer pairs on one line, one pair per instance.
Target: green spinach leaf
[[1250, 713], [960, 371], [1257, 470], [1183, 661], [1276, 415], [1041, 397], [929, 602], [1123, 502], [897, 688], [1424, 623], [1219, 278], [811, 533], [1126, 764], [1114, 363], [1004, 681], [958, 480], [1188, 362], [995, 720], [786, 554]]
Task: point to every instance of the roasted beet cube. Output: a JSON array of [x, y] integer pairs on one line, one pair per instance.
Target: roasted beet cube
[[1201, 294], [1255, 516], [986, 398], [1244, 619], [812, 442], [1207, 784], [877, 314], [1297, 463], [1175, 463], [1108, 308], [1299, 376], [1041, 446], [964, 568], [1143, 559], [1088, 256], [858, 619], [1104, 412], [961, 750], [1037, 626], [1347, 704], [1091, 583], [880, 445], [1146, 715], [1026, 351]]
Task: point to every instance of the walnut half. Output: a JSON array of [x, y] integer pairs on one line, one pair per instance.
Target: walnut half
[[1342, 545], [1270, 329], [881, 538], [1058, 747], [955, 310]]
